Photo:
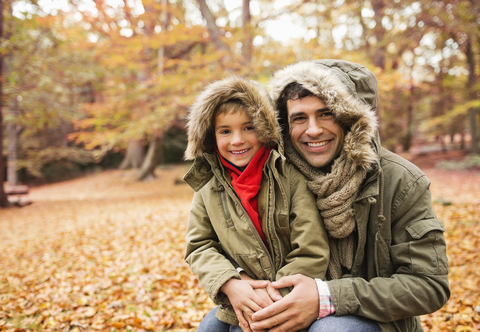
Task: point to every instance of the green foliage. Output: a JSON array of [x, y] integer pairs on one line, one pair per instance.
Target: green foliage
[[469, 162], [118, 73], [35, 160]]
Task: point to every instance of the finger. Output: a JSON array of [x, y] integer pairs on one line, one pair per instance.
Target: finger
[[248, 317], [280, 322], [270, 311], [273, 293], [254, 305], [240, 318], [262, 292], [245, 328], [284, 282], [258, 283]]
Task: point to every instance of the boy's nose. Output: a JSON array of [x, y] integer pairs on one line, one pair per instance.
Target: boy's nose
[[237, 139]]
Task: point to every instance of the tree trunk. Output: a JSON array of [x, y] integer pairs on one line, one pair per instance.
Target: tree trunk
[[379, 32], [12, 147], [408, 138], [153, 158], [3, 197], [135, 155], [470, 87], [247, 42], [161, 49], [211, 25], [473, 130]]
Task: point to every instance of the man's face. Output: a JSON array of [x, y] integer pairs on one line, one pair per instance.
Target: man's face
[[315, 134]]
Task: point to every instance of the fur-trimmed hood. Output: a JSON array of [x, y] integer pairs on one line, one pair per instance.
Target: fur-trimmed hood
[[350, 91], [253, 95]]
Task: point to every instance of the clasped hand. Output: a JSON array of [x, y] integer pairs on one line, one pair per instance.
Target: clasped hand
[[260, 307]]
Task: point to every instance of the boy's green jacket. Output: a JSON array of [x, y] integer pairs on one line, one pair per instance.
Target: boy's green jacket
[[220, 235]]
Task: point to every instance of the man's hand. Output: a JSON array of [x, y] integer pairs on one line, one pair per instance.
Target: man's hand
[[295, 311], [243, 297]]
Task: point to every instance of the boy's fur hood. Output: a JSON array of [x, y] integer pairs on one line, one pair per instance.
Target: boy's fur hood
[[258, 106], [350, 91]]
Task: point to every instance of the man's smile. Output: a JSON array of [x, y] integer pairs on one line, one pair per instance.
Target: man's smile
[[316, 144]]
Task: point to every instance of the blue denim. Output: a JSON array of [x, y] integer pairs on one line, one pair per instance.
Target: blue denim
[[210, 323], [348, 323]]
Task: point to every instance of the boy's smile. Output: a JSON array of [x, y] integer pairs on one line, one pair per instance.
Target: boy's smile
[[236, 137]]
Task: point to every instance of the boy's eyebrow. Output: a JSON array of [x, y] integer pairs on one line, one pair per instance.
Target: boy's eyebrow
[[320, 110], [245, 123]]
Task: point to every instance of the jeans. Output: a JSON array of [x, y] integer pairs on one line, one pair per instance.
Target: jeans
[[350, 323], [210, 323]]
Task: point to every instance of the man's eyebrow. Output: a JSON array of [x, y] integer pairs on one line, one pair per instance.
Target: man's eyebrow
[[321, 110]]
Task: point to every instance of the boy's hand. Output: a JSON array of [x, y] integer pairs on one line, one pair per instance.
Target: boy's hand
[[262, 292], [269, 294], [243, 297], [295, 311]]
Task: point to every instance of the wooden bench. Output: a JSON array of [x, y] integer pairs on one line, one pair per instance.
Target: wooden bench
[[16, 190]]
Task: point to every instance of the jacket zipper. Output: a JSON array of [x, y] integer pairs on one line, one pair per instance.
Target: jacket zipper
[[252, 227]]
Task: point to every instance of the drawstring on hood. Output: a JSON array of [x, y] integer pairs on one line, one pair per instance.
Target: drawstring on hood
[[350, 91]]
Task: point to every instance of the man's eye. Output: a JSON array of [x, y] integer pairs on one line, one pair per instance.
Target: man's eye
[[298, 119], [326, 115]]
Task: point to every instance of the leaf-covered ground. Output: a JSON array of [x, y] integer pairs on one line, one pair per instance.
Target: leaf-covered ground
[[105, 253]]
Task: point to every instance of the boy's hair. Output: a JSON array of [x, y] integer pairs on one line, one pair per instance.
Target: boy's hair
[[292, 91], [232, 105]]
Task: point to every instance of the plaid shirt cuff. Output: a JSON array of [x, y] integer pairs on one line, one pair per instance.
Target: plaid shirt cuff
[[326, 306]]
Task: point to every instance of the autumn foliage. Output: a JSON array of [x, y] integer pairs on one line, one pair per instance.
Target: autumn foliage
[[105, 253]]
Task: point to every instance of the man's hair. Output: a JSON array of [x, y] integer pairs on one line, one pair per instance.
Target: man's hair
[[292, 91]]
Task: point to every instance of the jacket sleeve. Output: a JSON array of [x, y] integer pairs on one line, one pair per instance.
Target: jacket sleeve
[[310, 251], [414, 280], [204, 253]]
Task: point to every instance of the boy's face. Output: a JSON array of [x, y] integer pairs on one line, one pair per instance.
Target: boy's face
[[236, 138]]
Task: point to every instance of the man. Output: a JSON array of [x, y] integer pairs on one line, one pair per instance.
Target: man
[[388, 252]]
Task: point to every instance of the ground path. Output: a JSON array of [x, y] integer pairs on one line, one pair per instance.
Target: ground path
[[105, 252]]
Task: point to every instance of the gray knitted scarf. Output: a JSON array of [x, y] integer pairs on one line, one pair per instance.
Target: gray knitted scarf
[[335, 193]]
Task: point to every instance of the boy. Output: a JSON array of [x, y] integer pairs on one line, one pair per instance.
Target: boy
[[252, 212]]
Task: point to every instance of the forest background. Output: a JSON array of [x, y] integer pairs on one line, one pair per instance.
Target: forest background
[[106, 83], [87, 86]]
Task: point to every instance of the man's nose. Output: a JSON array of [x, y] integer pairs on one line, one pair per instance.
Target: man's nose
[[314, 129]]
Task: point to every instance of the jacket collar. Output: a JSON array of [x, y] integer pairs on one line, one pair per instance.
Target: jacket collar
[[202, 169]]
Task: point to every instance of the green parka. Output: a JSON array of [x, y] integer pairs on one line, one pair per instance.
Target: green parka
[[400, 267], [220, 234]]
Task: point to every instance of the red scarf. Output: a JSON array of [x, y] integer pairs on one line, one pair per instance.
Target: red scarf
[[247, 185]]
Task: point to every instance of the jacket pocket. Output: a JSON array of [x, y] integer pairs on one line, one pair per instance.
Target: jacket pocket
[[223, 198], [427, 250], [253, 267]]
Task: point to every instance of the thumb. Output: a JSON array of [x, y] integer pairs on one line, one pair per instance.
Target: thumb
[[284, 282]]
